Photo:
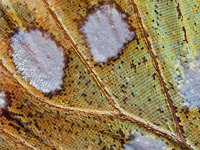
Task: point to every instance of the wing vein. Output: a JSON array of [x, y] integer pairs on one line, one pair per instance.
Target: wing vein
[[157, 67], [75, 48], [15, 139], [84, 112], [169, 101], [119, 113]]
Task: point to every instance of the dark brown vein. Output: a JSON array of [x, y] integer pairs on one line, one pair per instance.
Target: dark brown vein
[[170, 105], [45, 103], [157, 67], [180, 16], [120, 114], [84, 112], [168, 136], [75, 48]]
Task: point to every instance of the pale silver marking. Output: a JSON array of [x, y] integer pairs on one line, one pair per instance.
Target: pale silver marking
[[189, 85], [106, 33], [2, 100], [39, 59], [144, 142], [4, 2]]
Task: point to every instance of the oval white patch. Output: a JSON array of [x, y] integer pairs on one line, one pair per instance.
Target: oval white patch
[[2, 100], [106, 32], [144, 142], [190, 85], [39, 59]]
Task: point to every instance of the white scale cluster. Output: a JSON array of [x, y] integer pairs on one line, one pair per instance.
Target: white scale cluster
[[144, 142], [106, 33], [39, 59]]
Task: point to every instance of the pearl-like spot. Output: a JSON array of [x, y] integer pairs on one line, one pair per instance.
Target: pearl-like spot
[[2, 100], [39, 59], [106, 33], [4, 2], [189, 85], [144, 142]]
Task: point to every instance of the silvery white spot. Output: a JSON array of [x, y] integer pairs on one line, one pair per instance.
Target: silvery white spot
[[190, 85], [144, 142], [106, 32], [4, 2], [39, 59], [2, 100]]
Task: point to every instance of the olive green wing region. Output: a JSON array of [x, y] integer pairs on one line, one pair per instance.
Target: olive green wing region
[[48, 128], [191, 120], [173, 31], [100, 105], [78, 89], [23, 121], [130, 78]]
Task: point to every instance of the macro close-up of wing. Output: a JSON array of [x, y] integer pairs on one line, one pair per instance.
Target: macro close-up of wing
[[100, 75]]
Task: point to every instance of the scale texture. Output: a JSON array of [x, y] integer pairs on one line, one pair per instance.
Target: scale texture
[[39, 60], [120, 74]]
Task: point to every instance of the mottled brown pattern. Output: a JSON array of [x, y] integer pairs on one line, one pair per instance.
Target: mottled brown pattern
[[102, 105]]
